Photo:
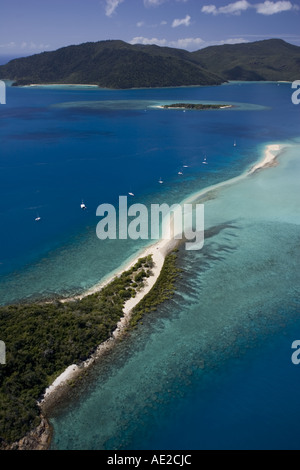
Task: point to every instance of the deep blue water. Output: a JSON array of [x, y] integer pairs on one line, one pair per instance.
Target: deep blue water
[[59, 146], [251, 403], [53, 157]]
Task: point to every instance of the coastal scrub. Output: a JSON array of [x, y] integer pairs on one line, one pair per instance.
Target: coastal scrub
[[42, 339]]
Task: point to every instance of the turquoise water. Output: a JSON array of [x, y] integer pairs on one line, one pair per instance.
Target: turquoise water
[[211, 368]]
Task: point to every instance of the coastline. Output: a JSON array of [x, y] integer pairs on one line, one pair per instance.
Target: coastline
[[159, 106], [32, 85], [272, 151], [159, 251], [227, 82], [40, 438]]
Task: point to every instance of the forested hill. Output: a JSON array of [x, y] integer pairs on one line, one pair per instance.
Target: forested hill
[[111, 64], [116, 64], [271, 59]]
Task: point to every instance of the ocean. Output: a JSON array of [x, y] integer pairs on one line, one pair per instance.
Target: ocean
[[211, 368]]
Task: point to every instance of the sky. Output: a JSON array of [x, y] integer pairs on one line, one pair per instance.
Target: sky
[[32, 26]]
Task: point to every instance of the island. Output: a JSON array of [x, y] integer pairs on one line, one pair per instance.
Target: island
[[115, 64], [198, 106]]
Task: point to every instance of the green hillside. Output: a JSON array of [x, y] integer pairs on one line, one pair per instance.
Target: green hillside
[[272, 59], [110, 64], [116, 64]]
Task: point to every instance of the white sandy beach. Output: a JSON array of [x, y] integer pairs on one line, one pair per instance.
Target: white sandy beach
[[160, 106], [60, 85], [158, 251], [271, 153]]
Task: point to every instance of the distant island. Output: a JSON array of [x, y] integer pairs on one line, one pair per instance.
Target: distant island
[[195, 106], [115, 64]]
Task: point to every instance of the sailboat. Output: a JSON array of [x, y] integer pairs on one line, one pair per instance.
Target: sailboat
[[234, 144], [82, 206], [204, 161], [160, 181]]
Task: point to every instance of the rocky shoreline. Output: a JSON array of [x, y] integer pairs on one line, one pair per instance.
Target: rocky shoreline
[[37, 439]]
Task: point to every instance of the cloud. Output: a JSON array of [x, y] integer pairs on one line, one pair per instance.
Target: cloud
[[231, 9], [25, 46], [156, 3], [111, 6], [187, 43], [230, 41], [153, 3], [184, 43], [8, 45], [210, 9], [270, 8], [184, 22], [190, 44], [147, 41], [33, 46], [140, 24], [236, 8]]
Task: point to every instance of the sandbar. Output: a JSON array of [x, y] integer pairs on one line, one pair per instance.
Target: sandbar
[[158, 251]]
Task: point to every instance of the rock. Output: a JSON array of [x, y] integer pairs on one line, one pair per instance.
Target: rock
[[38, 439]]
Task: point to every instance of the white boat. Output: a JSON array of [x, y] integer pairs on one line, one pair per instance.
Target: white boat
[[204, 161], [185, 166], [180, 173], [37, 219], [82, 206], [234, 144], [160, 181], [131, 194]]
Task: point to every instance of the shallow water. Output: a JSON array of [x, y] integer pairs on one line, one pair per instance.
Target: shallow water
[[53, 156], [211, 368], [235, 298]]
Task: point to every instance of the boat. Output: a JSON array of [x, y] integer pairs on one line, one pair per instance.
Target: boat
[[131, 194], [204, 161], [82, 206], [180, 173], [37, 219], [160, 181], [234, 144]]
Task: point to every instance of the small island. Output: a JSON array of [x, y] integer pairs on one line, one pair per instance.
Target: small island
[[198, 106]]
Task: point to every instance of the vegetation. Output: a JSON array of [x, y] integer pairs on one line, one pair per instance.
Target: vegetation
[[110, 64], [194, 106], [116, 64], [162, 290], [42, 339], [271, 59]]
